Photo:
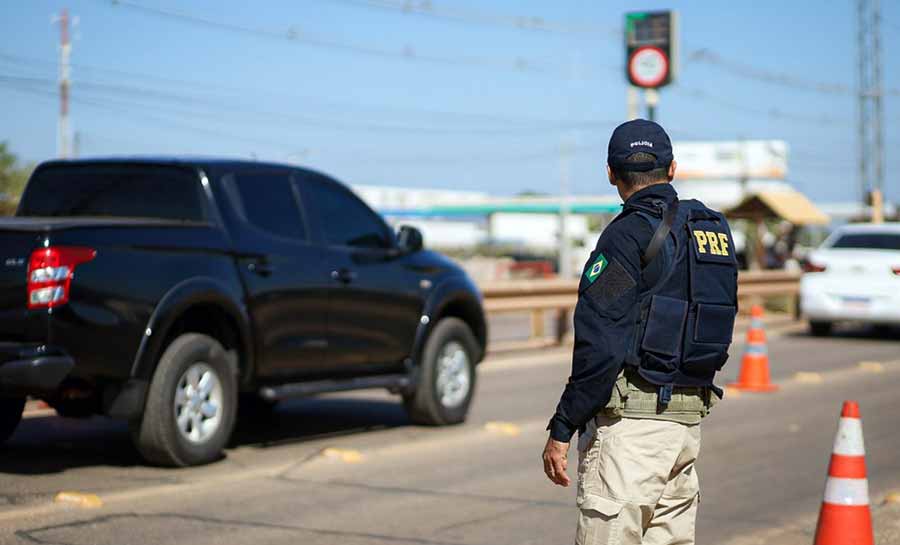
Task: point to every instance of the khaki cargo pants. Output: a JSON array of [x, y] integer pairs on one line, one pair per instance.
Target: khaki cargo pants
[[637, 482]]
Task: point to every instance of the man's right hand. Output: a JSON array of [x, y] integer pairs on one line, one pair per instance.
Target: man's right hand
[[556, 461]]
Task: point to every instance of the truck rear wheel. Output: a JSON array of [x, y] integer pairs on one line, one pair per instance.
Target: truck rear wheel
[[11, 409], [191, 404], [446, 381]]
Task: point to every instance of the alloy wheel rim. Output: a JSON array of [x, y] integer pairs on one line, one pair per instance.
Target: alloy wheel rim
[[198, 403], [453, 375]]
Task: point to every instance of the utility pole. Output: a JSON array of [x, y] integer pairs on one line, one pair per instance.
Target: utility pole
[[631, 102], [565, 250], [651, 97], [870, 110], [65, 50], [566, 149]]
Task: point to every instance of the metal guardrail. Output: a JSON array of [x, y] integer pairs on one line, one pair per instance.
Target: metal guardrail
[[539, 296]]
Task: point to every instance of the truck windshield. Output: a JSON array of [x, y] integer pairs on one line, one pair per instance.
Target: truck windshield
[[869, 241], [120, 191]]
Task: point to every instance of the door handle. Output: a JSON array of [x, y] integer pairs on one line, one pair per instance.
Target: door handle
[[344, 276], [261, 268]]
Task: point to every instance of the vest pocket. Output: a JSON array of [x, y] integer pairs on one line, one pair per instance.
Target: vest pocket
[[706, 348], [715, 323], [663, 331]]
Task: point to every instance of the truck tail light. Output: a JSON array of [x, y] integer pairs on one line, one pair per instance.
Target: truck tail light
[[896, 270], [813, 267], [50, 272]]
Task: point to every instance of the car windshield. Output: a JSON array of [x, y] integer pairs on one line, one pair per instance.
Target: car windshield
[[869, 241]]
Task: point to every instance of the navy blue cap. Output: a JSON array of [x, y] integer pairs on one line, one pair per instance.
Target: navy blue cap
[[635, 136]]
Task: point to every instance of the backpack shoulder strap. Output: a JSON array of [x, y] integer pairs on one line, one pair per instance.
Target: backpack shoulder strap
[[659, 236]]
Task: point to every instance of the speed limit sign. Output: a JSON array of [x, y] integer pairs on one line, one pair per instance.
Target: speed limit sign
[[651, 48], [648, 66]]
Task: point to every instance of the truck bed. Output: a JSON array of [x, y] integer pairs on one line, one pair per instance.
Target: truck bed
[[39, 224]]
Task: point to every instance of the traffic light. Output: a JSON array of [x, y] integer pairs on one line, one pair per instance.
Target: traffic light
[[651, 48]]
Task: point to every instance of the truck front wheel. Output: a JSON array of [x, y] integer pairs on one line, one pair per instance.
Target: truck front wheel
[[191, 404], [11, 409], [446, 378]]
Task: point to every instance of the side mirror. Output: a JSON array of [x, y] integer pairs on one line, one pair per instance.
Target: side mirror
[[409, 239]]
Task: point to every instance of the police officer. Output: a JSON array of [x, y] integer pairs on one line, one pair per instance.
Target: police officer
[[653, 323]]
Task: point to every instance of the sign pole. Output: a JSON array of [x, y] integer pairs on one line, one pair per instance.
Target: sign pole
[[651, 97], [631, 99]]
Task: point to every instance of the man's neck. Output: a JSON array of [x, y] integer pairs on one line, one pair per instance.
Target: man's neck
[[627, 194]]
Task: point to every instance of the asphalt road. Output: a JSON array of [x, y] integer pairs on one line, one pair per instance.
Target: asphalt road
[[763, 463]]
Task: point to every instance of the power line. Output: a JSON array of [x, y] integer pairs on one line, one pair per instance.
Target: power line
[[305, 120], [295, 36], [245, 91], [773, 77], [768, 76], [772, 113], [119, 108], [480, 157], [426, 8]]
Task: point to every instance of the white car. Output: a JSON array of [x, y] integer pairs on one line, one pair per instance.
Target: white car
[[854, 275]]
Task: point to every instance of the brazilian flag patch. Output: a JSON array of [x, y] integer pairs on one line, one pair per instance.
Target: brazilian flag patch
[[597, 268]]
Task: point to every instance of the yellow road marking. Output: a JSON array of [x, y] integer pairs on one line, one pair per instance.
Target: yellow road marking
[[806, 377], [731, 391], [503, 428], [85, 501], [348, 456], [871, 366], [892, 497]]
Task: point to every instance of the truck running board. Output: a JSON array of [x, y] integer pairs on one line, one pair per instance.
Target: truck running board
[[301, 389]]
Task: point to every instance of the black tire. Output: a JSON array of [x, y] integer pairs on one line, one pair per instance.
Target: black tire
[[157, 435], [820, 329], [425, 405], [11, 409]]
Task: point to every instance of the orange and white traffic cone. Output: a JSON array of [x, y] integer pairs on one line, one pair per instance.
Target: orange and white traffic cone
[[845, 518], [754, 375]]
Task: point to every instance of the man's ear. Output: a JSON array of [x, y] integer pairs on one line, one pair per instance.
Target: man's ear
[[672, 166], [610, 175]]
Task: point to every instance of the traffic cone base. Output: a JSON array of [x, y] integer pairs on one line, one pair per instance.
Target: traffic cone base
[[845, 518], [854, 520], [754, 376]]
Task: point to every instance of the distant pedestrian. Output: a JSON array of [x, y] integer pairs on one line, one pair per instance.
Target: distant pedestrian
[[654, 319]]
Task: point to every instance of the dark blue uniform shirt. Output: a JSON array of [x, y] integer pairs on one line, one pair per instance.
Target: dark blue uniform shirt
[[606, 314]]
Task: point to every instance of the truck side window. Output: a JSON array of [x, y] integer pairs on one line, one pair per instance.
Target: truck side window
[[267, 201], [346, 220]]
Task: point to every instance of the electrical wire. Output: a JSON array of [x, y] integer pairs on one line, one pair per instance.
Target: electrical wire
[[772, 113], [269, 117], [295, 35], [241, 91], [427, 8], [764, 75], [119, 108]]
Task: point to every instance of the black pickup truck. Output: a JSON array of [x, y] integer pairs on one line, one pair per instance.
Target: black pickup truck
[[163, 291]]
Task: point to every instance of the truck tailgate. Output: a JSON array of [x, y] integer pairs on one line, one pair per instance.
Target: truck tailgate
[[15, 249]]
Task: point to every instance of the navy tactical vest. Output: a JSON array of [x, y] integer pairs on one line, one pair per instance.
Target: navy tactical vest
[[687, 315]]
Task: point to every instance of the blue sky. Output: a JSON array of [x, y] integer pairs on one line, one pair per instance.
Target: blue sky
[[342, 98]]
